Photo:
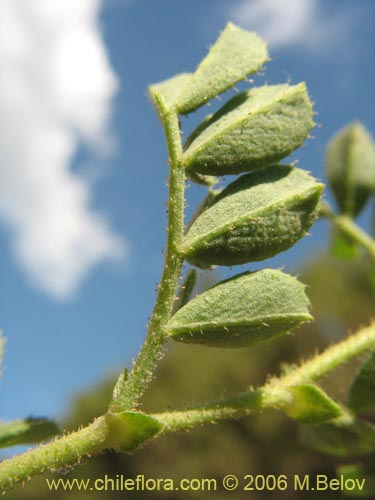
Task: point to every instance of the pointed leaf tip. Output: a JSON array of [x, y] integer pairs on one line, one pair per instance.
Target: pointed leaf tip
[[241, 311], [235, 55]]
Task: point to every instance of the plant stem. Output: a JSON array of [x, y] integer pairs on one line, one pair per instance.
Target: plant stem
[[54, 455], [274, 394], [127, 393], [97, 436], [351, 229], [333, 357]]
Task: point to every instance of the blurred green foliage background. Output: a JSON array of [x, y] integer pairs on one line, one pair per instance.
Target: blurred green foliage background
[[343, 298]]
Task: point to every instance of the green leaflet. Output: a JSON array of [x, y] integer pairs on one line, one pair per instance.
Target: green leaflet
[[242, 311], [340, 440], [257, 216], [30, 430], [311, 405], [167, 92], [362, 391], [127, 430], [350, 166], [235, 55], [252, 129]]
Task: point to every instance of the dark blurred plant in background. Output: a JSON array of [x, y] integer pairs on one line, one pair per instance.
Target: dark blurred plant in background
[[343, 298]]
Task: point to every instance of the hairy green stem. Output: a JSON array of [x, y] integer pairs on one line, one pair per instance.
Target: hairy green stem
[[333, 357], [97, 436], [127, 393], [350, 228], [274, 394], [56, 454]]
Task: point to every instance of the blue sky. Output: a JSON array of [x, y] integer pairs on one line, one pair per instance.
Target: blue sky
[[83, 164]]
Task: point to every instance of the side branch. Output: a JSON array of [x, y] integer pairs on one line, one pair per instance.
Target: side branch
[[98, 436], [274, 394]]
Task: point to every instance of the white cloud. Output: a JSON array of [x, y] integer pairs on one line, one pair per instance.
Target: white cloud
[[306, 23], [56, 89]]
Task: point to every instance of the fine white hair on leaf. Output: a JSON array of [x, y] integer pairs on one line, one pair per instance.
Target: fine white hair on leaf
[[56, 91]]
